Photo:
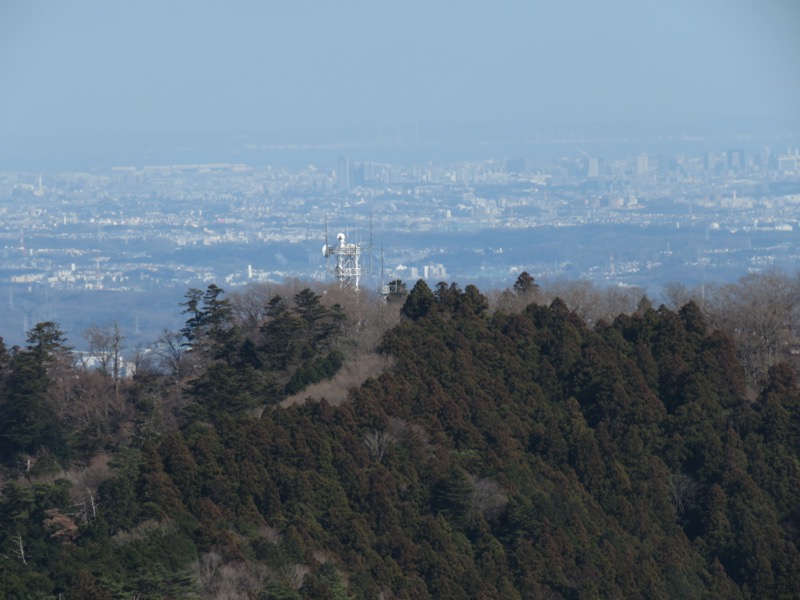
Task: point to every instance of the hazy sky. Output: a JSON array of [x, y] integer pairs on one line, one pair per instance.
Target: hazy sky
[[188, 66]]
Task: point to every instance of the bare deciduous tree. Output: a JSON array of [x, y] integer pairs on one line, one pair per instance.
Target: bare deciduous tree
[[62, 527], [761, 312], [143, 363], [590, 303], [248, 305], [487, 498], [19, 548], [377, 443], [295, 574], [91, 399], [171, 353], [105, 347], [682, 492], [676, 295]]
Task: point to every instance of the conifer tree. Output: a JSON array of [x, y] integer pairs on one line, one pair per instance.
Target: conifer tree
[[419, 301], [28, 418]]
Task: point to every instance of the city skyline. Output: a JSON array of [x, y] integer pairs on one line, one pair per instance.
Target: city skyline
[[410, 97], [124, 243]]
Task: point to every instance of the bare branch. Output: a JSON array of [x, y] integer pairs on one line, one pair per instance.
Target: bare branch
[[19, 548], [376, 443]]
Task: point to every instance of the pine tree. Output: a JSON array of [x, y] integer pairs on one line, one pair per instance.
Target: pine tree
[[28, 418], [419, 301]]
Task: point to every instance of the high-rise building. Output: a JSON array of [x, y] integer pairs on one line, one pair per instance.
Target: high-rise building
[[594, 167], [357, 174], [343, 174], [642, 167], [765, 159], [711, 162], [735, 159]]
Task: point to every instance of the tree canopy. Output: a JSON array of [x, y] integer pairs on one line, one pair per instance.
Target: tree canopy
[[506, 454]]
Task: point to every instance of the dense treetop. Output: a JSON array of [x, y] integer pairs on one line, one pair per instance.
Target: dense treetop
[[514, 452]]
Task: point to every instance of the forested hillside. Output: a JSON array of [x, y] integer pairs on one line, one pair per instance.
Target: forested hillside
[[511, 451]]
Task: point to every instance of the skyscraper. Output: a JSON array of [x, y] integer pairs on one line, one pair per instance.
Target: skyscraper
[[735, 160], [642, 166], [343, 174]]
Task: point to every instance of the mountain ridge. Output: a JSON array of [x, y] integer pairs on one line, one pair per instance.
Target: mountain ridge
[[502, 454]]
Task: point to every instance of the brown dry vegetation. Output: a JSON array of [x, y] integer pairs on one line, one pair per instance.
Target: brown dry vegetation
[[352, 374]]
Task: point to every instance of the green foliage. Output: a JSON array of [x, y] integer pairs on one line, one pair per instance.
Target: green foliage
[[513, 455], [229, 389], [209, 315], [315, 371], [299, 341], [47, 341], [418, 302], [27, 420], [525, 284]]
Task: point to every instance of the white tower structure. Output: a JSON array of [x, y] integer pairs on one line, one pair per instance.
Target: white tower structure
[[346, 269], [385, 290]]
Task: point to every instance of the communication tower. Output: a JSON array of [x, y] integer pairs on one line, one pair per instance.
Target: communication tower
[[384, 289], [346, 269]]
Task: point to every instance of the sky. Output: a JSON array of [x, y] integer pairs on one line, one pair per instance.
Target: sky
[[117, 68]]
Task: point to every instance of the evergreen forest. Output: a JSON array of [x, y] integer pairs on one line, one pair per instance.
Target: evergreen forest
[[311, 442]]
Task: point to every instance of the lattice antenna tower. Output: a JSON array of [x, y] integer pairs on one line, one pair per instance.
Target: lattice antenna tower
[[385, 290], [346, 269], [324, 252], [369, 255]]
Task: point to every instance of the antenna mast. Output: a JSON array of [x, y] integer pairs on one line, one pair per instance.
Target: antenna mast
[[347, 269], [371, 273], [324, 248], [385, 290]]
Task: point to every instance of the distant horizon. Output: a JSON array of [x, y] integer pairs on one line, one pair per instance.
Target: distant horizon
[[404, 143], [359, 71]]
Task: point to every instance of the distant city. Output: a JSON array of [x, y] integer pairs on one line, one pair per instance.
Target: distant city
[[125, 242]]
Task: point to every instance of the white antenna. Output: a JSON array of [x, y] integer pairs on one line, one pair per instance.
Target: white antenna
[[371, 273], [324, 248], [347, 269]]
